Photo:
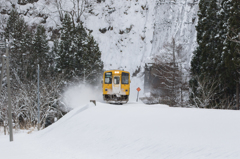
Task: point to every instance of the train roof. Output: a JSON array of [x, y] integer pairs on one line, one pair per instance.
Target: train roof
[[116, 70]]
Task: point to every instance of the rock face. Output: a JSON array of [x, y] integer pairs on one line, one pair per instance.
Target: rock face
[[124, 30], [129, 32], [139, 29], [175, 19]]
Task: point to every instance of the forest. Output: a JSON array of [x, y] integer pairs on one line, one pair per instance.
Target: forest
[[69, 56], [213, 78]]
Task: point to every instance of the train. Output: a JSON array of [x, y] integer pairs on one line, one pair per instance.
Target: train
[[116, 86]]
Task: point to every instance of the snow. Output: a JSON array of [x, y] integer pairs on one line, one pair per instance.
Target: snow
[[152, 23], [132, 130], [82, 93]]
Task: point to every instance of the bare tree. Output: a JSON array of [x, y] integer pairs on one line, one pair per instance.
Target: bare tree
[[235, 38], [208, 94], [79, 6], [25, 105], [169, 80], [59, 8]]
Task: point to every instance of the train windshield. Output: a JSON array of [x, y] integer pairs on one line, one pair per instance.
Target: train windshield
[[125, 78], [108, 78]]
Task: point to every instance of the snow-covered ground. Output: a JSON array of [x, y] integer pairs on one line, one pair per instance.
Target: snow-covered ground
[[131, 131], [136, 30]]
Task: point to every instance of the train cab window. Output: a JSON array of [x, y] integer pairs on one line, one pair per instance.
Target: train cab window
[[125, 78], [116, 80], [108, 78]]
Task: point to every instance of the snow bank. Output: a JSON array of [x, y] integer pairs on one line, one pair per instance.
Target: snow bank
[[132, 131]]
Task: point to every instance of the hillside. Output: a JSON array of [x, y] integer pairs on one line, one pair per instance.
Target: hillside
[[129, 32]]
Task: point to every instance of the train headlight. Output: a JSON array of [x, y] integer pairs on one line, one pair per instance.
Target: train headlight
[[126, 90], [106, 89]]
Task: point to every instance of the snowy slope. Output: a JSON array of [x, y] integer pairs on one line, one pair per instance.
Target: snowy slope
[[129, 42], [136, 30], [134, 131], [176, 19]]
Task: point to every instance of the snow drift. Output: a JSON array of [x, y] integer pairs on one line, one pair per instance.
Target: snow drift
[[132, 131]]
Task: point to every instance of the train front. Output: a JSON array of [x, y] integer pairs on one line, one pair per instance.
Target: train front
[[116, 86]]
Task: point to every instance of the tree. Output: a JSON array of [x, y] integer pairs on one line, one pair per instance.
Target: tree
[[20, 37], [93, 65], [28, 48], [168, 73], [79, 6], [12, 25], [230, 50], [40, 53], [206, 61], [216, 56], [206, 92], [78, 53], [198, 54], [66, 51], [79, 42]]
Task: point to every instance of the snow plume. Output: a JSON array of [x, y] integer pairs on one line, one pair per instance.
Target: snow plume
[[80, 94]]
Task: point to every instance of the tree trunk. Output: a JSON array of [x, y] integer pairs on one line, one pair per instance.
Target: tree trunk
[[5, 127]]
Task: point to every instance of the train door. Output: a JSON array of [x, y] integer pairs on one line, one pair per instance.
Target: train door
[[116, 86]]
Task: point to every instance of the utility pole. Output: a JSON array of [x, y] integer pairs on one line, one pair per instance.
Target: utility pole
[[2, 72], [6, 57], [138, 89], [9, 95], [84, 78], [38, 102], [3, 46]]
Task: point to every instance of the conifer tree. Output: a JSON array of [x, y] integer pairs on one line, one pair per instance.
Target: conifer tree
[[54, 56], [230, 48], [80, 40], [65, 54], [40, 52], [20, 38], [78, 54], [93, 64], [200, 54], [12, 25], [213, 41], [206, 57], [26, 58], [216, 56]]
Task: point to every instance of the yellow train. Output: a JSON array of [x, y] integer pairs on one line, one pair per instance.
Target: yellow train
[[116, 86]]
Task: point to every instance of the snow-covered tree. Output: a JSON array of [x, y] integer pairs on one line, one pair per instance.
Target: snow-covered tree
[[78, 54], [216, 55], [65, 52], [93, 65], [230, 49], [40, 53], [206, 61], [28, 48]]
